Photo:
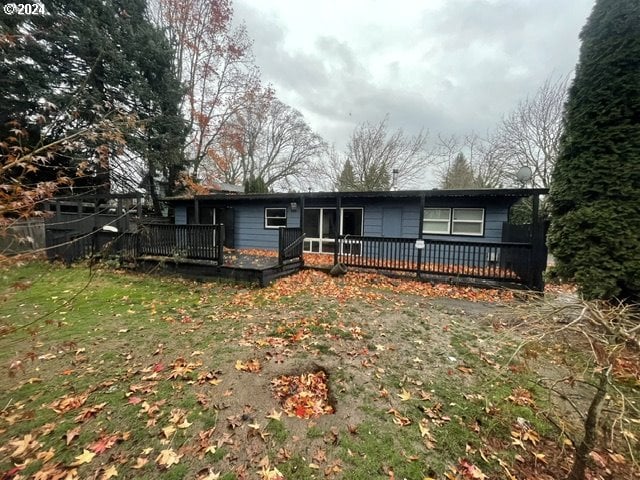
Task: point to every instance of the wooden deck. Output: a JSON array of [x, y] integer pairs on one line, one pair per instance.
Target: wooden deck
[[238, 266]]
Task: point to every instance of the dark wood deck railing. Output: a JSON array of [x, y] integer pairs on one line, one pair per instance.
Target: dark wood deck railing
[[290, 244], [498, 261], [202, 242]]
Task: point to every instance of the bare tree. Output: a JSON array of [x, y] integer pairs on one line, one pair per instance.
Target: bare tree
[[266, 140], [610, 331], [374, 153], [530, 135], [481, 155], [214, 62]]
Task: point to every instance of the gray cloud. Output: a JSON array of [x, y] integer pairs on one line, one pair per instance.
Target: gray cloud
[[455, 69]]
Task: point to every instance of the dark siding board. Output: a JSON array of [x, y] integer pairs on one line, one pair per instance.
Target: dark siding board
[[410, 221], [181, 214], [293, 218]]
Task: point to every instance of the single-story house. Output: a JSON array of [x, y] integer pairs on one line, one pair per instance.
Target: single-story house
[[417, 229]]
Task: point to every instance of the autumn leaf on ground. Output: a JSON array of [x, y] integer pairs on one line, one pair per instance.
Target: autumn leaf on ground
[[85, 457], [304, 395], [181, 369], [252, 366], [140, 463], [104, 443], [68, 402], [167, 458], [274, 415], [89, 412], [208, 474], [469, 470], [521, 396], [465, 369], [168, 431], [109, 472], [45, 456], [24, 447], [404, 395], [71, 434]]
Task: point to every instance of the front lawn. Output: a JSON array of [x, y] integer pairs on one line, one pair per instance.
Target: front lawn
[[112, 374]]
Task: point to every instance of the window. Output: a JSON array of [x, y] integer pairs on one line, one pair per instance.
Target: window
[[275, 217], [351, 221], [453, 221], [320, 227], [468, 221], [436, 220]]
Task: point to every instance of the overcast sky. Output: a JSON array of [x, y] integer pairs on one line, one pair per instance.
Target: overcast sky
[[450, 66]]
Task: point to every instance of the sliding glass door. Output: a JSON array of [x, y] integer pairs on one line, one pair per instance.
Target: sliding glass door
[[320, 227]]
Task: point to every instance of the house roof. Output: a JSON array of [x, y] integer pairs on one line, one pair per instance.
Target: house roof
[[435, 193]]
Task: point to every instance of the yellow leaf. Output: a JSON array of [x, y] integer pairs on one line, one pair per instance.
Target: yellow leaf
[[167, 458], [404, 395], [168, 431], [24, 446], [185, 424], [275, 415], [140, 463], [109, 473], [46, 456], [85, 457], [540, 456]]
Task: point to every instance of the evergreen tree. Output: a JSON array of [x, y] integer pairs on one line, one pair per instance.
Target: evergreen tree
[[346, 181], [460, 175], [595, 190], [82, 62], [255, 185]]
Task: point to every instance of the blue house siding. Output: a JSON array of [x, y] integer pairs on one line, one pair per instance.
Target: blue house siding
[[383, 217], [180, 214], [374, 218], [250, 231]]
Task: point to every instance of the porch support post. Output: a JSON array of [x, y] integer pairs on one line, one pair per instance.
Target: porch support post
[[336, 245], [301, 213], [420, 234], [220, 245], [538, 248], [196, 211], [119, 216], [139, 205]]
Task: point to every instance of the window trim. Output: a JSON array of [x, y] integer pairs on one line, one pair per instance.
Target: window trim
[[475, 222], [267, 217], [451, 222], [342, 209], [447, 221]]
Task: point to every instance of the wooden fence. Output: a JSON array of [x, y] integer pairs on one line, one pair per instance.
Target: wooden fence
[[202, 242], [497, 261], [290, 243]]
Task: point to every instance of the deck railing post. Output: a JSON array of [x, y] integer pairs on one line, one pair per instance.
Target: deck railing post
[[280, 245], [220, 244]]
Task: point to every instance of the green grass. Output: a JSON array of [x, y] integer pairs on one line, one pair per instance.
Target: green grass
[[105, 332]]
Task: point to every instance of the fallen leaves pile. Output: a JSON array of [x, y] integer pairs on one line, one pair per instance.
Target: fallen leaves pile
[[356, 285], [303, 396]]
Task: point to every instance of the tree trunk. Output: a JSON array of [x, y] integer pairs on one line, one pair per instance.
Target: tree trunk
[[590, 429]]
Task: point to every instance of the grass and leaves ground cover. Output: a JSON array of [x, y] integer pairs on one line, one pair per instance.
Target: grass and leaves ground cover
[[112, 374]]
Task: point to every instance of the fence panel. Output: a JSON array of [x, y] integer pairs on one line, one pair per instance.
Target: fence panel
[[501, 261], [200, 242], [290, 243]]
